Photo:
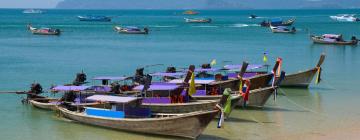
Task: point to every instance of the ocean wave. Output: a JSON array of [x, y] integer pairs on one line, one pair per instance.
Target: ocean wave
[[163, 26], [241, 25], [205, 26]]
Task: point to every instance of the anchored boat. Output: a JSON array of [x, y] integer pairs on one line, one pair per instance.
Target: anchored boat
[[277, 22], [302, 79], [253, 16], [333, 39], [282, 29], [94, 18], [126, 115], [131, 30], [72, 95], [198, 20], [44, 31], [32, 11], [345, 18], [190, 12]]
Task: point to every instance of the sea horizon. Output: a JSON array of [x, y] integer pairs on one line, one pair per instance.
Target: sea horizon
[[323, 111]]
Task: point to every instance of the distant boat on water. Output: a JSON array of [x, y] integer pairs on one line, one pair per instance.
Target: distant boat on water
[[198, 20], [282, 29], [94, 18], [33, 11], [131, 30], [190, 12], [345, 18], [44, 31], [277, 22], [253, 16], [333, 39]]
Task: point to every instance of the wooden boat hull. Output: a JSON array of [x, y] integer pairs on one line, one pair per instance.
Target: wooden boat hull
[[319, 41], [300, 79], [50, 103], [44, 103], [181, 107], [235, 98], [281, 31], [258, 97], [233, 84], [41, 33], [260, 81], [189, 125]]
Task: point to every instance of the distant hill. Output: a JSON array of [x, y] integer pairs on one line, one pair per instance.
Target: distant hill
[[149, 4], [207, 4]]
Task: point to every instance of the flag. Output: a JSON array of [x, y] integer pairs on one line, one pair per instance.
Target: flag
[[227, 108], [213, 62], [241, 86], [318, 79], [192, 88], [280, 64], [265, 59]]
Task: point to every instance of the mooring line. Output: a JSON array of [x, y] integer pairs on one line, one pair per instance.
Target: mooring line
[[303, 107], [253, 118], [328, 85]]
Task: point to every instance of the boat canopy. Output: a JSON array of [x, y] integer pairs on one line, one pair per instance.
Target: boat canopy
[[207, 70], [158, 87], [331, 36], [112, 99], [276, 20], [238, 67], [162, 74], [70, 88], [110, 78], [197, 81]]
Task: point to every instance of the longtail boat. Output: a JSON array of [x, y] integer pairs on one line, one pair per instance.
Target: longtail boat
[[332, 39], [44, 31], [302, 79], [124, 116], [72, 95], [277, 22], [282, 29], [258, 97], [258, 79], [131, 30]]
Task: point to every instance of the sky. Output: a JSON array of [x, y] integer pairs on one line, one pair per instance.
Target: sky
[[28, 3]]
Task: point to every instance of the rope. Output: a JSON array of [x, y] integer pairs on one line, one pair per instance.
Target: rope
[[325, 83], [302, 107], [253, 118]]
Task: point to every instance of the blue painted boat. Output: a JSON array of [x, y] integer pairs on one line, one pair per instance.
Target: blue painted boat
[[94, 18]]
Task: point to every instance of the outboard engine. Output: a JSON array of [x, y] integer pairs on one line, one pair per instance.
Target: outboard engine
[[115, 88], [146, 30], [69, 97], [171, 70], [206, 66], [353, 38], [139, 75], [146, 83], [204, 74], [80, 79], [36, 88], [57, 31]]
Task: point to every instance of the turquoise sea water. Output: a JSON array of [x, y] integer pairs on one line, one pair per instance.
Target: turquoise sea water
[[98, 50]]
